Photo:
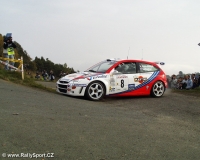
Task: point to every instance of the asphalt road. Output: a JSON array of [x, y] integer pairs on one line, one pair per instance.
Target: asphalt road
[[140, 128]]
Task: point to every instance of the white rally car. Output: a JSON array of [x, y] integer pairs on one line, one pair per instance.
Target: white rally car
[[115, 78]]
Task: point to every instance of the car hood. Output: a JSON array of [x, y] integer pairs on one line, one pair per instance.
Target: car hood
[[79, 75]]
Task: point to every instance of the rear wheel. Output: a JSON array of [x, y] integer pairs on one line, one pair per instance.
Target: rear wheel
[[95, 91], [158, 89]]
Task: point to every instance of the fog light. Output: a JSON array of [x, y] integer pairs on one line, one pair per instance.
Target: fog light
[[73, 87]]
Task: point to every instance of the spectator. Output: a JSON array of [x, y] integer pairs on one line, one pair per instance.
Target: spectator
[[66, 73], [197, 77], [195, 83], [179, 83], [194, 80], [45, 75], [26, 66], [173, 82], [51, 75], [199, 81], [184, 82], [189, 82], [193, 76], [37, 76], [168, 82], [9, 46], [61, 74]]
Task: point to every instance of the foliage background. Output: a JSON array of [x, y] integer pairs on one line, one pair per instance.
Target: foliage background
[[36, 64]]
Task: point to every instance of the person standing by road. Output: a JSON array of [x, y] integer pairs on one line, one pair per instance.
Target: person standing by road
[[189, 82], [173, 82], [9, 46], [51, 75]]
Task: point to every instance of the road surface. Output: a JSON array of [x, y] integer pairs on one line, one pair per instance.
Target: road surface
[[140, 128]]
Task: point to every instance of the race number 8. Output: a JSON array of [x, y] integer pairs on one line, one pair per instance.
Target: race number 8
[[122, 83]]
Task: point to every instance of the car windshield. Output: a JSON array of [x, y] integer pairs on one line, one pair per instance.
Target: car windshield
[[101, 67]]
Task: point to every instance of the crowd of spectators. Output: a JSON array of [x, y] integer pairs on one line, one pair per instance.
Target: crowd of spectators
[[45, 76], [186, 82]]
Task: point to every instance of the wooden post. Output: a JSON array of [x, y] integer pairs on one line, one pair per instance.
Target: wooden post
[[22, 68]]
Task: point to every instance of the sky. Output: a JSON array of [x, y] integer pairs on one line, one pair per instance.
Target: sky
[[82, 33]]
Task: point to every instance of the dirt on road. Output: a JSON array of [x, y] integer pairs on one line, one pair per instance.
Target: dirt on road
[[72, 128]]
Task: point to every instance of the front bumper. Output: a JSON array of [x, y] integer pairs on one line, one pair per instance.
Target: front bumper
[[70, 89]]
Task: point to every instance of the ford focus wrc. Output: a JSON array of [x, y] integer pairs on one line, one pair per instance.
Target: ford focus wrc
[[114, 77]]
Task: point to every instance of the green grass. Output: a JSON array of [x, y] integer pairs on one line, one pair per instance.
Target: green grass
[[191, 92], [16, 77]]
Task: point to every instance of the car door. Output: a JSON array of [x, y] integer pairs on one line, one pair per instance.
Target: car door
[[122, 75]]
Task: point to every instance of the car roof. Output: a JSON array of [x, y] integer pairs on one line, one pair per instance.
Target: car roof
[[130, 60]]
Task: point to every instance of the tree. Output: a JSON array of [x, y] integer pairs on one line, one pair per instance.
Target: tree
[[42, 64], [1, 45], [65, 65], [39, 64], [20, 52], [32, 66]]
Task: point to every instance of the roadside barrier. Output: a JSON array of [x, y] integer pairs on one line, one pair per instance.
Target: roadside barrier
[[20, 68]]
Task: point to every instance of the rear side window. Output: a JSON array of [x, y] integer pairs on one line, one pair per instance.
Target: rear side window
[[144, 67]]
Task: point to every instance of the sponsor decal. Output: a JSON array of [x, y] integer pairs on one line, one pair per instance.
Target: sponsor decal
[[122, 76], [100, 76], [147, 87], [112, 89], [89, 78], [140, 79], [131, 86], [95, 77], [80, 85], [112, 82], [77, 85], [162, 63]]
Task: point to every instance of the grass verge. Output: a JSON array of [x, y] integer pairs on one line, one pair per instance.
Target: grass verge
[[191, 92], [16, 77]]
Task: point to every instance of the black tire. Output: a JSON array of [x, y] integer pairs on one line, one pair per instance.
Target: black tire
[[95, 91], [158, 89]]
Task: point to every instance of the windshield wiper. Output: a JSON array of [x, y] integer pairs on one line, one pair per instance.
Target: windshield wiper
[[91, 70]]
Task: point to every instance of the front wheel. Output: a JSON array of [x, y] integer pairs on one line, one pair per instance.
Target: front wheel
[[95, 91], [158, 89]]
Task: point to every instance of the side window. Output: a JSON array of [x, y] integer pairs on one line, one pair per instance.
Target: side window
[[126, 68], [143, 67]]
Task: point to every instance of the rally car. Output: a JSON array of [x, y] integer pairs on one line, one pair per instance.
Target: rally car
[[114, 77]]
